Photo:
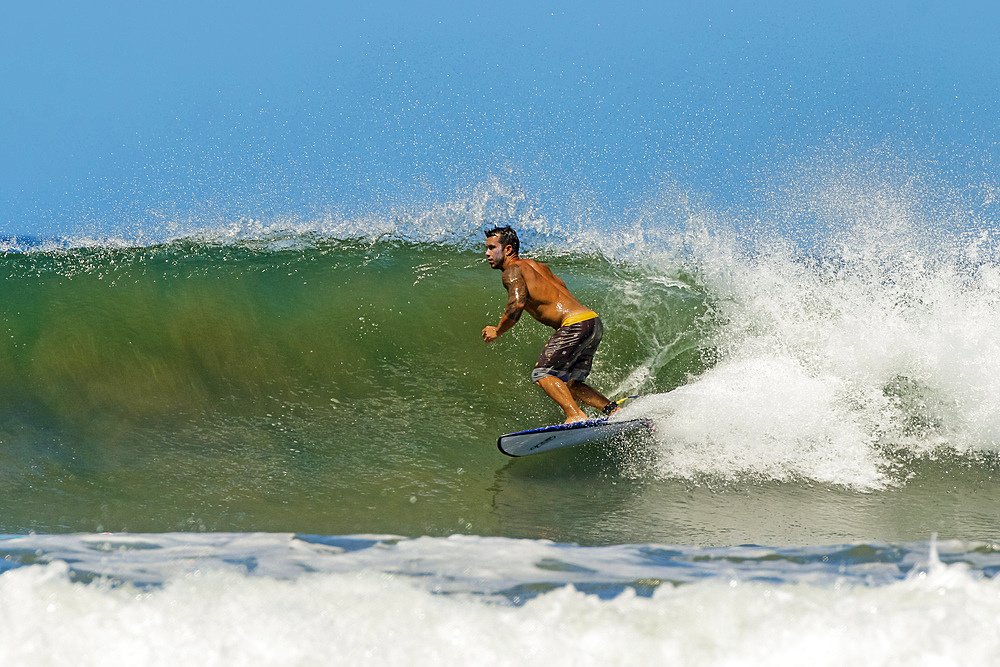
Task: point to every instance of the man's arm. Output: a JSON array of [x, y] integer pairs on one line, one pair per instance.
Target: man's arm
[[517, 297]]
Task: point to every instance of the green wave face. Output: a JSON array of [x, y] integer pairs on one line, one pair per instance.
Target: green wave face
[[233, 386]]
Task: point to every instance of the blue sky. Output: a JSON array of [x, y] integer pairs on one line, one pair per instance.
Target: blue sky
[[260, 109]]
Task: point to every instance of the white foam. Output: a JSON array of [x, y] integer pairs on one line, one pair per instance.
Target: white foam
[[941, 615], [885, 338], [764, 417]]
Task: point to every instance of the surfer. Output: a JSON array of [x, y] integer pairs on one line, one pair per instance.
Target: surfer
[[566, 359]]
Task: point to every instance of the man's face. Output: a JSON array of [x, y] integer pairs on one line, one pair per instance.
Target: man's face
[[494, 252]]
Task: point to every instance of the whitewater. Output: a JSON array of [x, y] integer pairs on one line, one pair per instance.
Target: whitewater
[[281, 599]]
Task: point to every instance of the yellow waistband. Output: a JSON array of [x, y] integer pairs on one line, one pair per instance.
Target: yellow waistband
[[581, 317]]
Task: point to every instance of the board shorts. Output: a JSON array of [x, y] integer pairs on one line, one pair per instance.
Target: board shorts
[[569, 354]]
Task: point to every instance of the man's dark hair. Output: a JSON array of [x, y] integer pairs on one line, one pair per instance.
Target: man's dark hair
[[508, 237]]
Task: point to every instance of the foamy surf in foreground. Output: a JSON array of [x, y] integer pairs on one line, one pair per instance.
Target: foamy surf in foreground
[[291, 600]]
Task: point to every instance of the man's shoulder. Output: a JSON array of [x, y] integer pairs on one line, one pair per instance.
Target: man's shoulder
[[512, 271], [528, 269], [530, 265]]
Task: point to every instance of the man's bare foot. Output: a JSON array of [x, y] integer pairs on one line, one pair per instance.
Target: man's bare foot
[[575, 420]]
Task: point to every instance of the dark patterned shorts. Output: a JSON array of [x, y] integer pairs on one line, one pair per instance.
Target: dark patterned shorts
[[569, 354]]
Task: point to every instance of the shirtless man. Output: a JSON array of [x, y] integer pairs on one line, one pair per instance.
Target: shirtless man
[[566, 359]]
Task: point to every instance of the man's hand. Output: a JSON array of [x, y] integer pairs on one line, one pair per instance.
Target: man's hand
[[490, 334]]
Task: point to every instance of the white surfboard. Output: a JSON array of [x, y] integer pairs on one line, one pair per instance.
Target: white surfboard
[[547, 438]]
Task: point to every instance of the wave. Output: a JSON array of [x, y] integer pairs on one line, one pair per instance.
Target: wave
[[760, 358]]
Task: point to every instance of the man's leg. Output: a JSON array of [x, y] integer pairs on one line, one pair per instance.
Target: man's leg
[[559, 392], [587, 395]]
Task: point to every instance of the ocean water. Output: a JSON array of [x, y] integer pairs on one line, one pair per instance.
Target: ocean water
[[275, 443]]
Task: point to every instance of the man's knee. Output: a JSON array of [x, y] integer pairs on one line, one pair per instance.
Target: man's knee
[[539, 374]]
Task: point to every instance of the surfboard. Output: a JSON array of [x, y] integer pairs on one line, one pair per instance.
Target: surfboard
[[547, 438]]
